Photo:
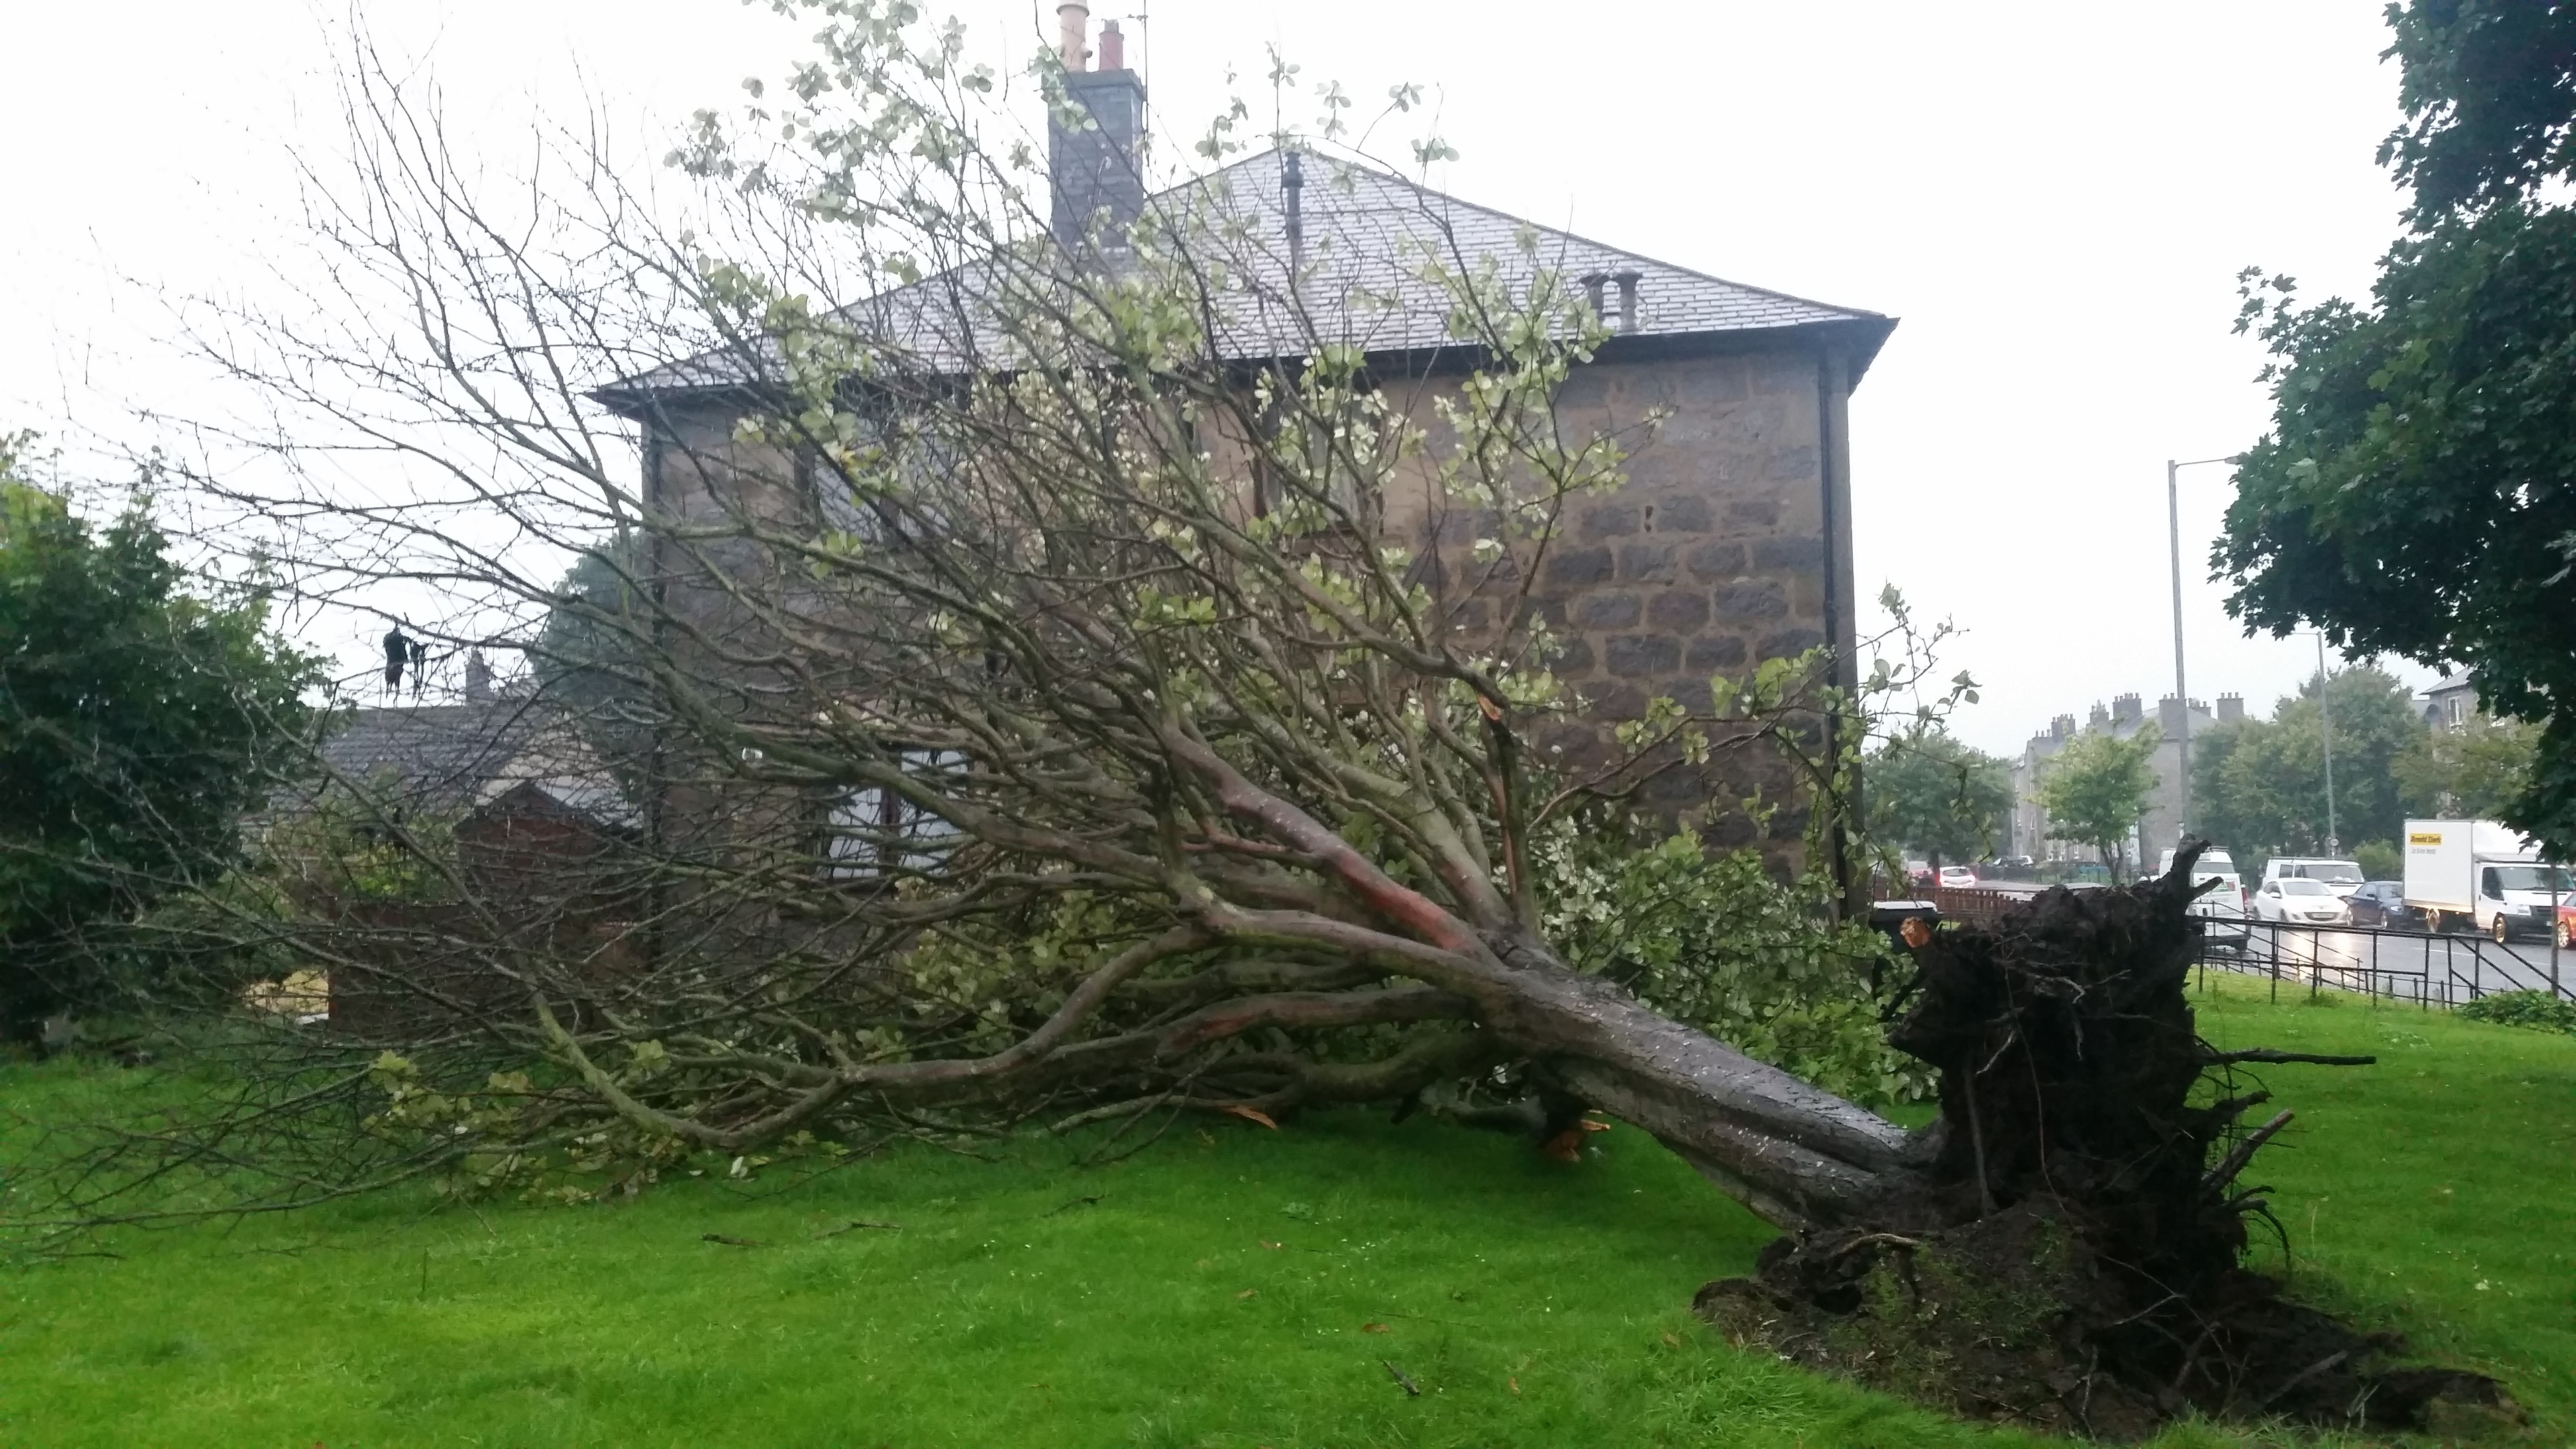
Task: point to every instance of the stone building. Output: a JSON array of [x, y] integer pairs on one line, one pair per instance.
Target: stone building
[[2168, 804], [1731, 542]]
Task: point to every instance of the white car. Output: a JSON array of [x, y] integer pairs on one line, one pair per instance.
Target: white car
[[2300, 901], [1958, 877], [2343, 877], [2221, 907]]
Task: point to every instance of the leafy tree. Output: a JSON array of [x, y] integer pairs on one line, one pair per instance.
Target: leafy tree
[[137, 720], [2095, 790], [2258, 785], [1070, 726], [1932, 793], [2416, 494], [2478, 770]]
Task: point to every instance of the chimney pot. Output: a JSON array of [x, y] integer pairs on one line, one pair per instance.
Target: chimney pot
[[1073, 34], [1593, 283], [1113, 46], [1627, 281]]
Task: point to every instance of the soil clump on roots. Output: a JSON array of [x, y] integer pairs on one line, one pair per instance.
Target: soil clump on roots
[[2070, 1254]]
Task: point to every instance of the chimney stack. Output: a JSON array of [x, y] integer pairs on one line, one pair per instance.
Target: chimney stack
[[2127, 709], [1593, 283], [1096, 171], [478, 678], [1627, 281], [2231, 708], [2062, 727], [2100, 716]]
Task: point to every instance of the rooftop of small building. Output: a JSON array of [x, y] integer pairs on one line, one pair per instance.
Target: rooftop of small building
[[1364, 239]]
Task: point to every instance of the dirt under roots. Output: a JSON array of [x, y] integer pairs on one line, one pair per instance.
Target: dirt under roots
[[2072, 1258]]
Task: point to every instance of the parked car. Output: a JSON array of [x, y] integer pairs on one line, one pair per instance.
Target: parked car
[[2342, 876], [2299, 900], [1958, 877], [2382, 903], [1919, 873]]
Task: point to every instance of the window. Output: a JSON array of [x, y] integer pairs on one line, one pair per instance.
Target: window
[[2525, 878], [871, 830]]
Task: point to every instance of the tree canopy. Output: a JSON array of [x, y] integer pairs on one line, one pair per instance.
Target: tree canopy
[[1930, 792], [138, 716], [2416, 492], [2095, 790], [2258, 785]]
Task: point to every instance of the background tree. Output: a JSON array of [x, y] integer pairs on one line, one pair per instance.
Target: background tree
[[1931, 793], [2258, 785], [2416, 494], [2095, 791], [140, 718], [2478, 770]]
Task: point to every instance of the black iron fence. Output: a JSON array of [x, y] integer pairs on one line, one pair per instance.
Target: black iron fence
[[2406, 967]]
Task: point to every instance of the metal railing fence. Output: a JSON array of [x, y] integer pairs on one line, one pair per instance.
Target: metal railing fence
[[2405, 967]]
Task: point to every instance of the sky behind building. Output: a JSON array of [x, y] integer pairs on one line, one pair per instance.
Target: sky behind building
[[2055, 199]]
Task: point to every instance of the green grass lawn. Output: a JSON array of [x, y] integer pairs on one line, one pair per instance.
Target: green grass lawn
[[1229, 1287]]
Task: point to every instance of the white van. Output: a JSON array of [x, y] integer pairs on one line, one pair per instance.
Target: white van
[[2483, 874], [2221, 908], [2342, 877]]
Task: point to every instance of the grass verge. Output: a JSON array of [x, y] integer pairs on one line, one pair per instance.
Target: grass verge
[[1229, 1287]]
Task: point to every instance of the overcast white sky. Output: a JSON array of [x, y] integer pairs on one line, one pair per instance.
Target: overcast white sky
[[2054, 198]]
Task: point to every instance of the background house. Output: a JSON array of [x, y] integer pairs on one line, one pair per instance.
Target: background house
[[2168, 806], [1732, 543]]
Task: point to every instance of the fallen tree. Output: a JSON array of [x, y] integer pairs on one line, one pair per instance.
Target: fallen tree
[[1025, 700]]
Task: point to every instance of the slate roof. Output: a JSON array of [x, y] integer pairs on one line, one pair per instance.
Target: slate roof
[[1367, 234], [460, 756]]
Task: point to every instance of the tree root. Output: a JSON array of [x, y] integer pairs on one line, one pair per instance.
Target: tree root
[[2070, 1255]]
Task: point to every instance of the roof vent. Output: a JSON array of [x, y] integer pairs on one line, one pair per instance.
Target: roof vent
[[1593, 282]]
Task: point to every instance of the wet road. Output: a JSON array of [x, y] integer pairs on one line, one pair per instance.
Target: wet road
[[2450, 969]]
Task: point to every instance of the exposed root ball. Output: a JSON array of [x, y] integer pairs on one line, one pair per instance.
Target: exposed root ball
[[2071, 1254]]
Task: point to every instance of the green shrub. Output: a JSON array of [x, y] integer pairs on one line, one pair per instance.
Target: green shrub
[[1713, 940], [2535, 1009]]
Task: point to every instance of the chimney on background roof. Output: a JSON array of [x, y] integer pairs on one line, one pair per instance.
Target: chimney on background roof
[[1096, 168], [1073, 34], [2127, 709], [2100, 716], [1627, 281], [1593, 283], [2231, 708], [478, 678], [2062, 727]]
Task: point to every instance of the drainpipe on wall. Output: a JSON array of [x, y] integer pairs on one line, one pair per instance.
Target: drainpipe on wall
[[1850, 886]]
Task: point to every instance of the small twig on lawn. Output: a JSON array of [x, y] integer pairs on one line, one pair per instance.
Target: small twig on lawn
[[2234, 1162], [1411, 1389], [730, 1241], [856, 1223], [1077, 1202], [2266, 1054]]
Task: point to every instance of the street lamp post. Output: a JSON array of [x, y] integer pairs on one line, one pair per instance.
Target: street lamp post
[[2182, 694], [2325, 741]]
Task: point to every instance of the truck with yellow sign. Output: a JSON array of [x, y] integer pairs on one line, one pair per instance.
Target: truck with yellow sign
[[2483, 874]]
